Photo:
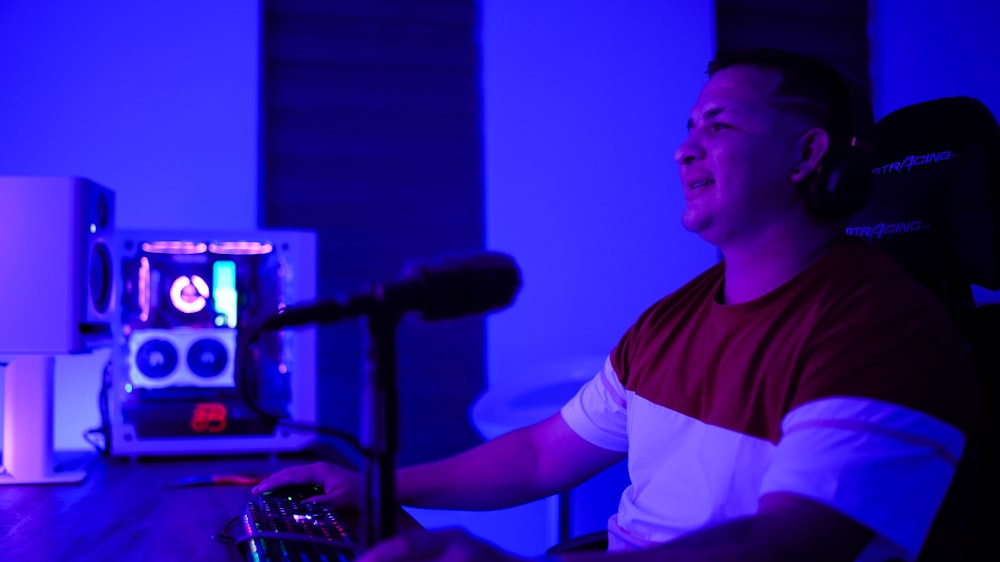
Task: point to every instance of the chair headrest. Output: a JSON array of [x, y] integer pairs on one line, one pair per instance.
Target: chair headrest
[[936, 199]]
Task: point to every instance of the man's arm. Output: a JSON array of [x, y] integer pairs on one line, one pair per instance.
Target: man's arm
[[787, 527], [521, 466], [524, 465]]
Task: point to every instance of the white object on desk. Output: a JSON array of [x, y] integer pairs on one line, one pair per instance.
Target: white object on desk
[[28, 456]]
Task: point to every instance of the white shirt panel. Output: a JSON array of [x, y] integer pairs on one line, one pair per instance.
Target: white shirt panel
[[864, 458], [841, 451]]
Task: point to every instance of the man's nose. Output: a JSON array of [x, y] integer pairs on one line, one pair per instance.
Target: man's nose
[[688, 151]]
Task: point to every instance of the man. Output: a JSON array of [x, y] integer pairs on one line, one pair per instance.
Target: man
[[783, 405]]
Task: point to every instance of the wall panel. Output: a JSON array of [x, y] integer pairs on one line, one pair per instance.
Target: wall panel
[[371, 136]]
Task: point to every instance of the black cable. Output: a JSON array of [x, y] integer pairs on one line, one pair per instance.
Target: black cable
[[104, 430], [224, 536], [245, 358]]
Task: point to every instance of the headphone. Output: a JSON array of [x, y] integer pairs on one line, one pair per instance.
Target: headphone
[[843, 182]]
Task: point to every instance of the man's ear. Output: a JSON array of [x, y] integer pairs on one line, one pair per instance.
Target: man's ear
[[812, 146]]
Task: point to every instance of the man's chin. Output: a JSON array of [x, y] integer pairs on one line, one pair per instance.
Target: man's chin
[[693, 222]]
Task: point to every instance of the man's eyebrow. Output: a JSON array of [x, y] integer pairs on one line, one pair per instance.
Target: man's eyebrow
[[709, 114]]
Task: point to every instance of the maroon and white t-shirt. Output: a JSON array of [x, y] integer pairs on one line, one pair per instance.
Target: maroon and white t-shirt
[[839, 386]]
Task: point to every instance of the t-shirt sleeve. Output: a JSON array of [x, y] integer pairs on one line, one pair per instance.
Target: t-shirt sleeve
[[866, 458], [869, 427], [597, 411]]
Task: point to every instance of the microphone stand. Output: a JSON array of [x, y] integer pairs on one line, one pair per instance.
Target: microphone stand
[[381, 424], [380, 402], [384, 308]]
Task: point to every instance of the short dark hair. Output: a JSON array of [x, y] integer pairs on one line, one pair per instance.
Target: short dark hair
[[840, 103]]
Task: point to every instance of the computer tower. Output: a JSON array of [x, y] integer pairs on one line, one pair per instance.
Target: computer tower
[[56, 290], [183, 379]]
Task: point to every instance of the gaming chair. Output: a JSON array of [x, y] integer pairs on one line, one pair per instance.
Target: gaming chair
[[936, 168], [934, 208]]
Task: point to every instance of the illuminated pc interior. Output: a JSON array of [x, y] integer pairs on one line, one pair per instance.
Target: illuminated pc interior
[[185, 299]]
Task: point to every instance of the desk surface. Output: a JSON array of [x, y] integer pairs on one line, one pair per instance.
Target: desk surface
[[131, 509]]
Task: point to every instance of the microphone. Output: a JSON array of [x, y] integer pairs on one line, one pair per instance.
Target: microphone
[[447, 288]]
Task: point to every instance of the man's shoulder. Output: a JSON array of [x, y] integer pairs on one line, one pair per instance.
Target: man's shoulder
[[700, 289], [688, 301], [855, 260], [854, 249]]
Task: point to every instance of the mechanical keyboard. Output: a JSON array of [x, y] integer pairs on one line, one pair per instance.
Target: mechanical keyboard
[[280, 527]]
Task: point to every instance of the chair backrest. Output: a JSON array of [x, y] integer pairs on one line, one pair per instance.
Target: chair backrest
[[935, 208], [936, 199]]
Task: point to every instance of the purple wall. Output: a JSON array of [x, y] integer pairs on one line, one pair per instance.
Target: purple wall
[[157, 101]]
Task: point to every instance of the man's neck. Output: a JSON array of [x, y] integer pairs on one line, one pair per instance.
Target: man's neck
[[761, 266]]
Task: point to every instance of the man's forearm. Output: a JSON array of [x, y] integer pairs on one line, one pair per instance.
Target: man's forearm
[[524, 465], [497, 474], [787, 528]]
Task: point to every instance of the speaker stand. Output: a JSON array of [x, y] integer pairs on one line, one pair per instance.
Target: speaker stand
[[28, 456]]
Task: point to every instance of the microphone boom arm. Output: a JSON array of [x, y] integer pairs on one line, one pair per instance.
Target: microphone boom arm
[[449, 289]]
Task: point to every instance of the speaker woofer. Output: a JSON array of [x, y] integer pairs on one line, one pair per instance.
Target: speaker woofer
[[101, 278]]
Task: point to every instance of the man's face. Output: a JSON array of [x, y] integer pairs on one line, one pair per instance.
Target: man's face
[[736, 163]]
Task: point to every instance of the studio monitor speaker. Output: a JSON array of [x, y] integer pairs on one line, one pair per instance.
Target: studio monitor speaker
[[56, 266]]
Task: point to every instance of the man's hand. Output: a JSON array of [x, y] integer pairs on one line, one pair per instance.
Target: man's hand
[[343, 487], [447, 545]]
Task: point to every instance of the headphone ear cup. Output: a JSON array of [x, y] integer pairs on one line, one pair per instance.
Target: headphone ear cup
[[843, 183], [842, 186]]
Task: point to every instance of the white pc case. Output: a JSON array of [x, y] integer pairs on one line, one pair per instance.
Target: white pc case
[[180, 382]]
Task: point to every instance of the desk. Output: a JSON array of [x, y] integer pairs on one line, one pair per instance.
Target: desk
[[127, 509]]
